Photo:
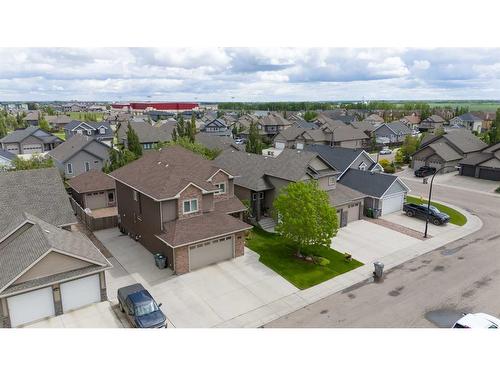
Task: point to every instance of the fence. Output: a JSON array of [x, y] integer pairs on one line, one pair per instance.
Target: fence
[[93, 223]]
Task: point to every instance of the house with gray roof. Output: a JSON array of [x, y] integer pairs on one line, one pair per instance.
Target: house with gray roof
[[467, 121], [45, 268], [259, 179], [393, 132], [216, 127], [217, 143], [431, 123], [58, 122], [6, 158], [446, 150], [80, 154], [149, 134], [30, 140], [484, 164], [269, 126], [101, 131]]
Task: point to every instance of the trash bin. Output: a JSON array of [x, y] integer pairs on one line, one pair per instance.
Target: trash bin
[[160, 261], [379, 269], [369, 212], [376, 213]]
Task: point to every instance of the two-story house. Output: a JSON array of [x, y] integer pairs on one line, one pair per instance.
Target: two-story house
[[149, 134], [179, 204], [80, 154], [393, 132], [216, 127], [98, 130], [29, 141], [467, 121]]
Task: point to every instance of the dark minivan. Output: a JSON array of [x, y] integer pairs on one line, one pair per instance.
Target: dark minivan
[[140, 307]]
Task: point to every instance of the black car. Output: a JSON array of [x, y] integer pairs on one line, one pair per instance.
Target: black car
[[425, 171], [436, 217]]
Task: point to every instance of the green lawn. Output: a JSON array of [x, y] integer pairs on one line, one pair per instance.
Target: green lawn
[[81, 115], [455, 217], [61, 135], [279, 255]]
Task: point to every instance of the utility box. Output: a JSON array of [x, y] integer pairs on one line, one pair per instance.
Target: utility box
[[379, 270]]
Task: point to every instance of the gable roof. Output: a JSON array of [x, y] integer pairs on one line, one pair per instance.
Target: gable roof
[[7, 155], [92, 124], [33, 240], [303, 124], [338, 157], [363, 125], [469, 117], [343, 132], [39, 192], [445, 151], [397, 127], [369, 183], [72, 146], [374, 118], [215, 142], [21, 134], [462, 139], [273, 119], [164, 173], [343, 194], [92, 180], [147, 133], [434, 119]]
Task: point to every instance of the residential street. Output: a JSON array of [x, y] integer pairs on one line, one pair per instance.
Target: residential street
[[428, 291]]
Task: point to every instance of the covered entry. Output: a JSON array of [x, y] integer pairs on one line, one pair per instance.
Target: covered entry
[[210, 252]]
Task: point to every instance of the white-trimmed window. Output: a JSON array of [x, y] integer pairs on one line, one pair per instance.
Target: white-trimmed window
[[69, 168], [89, 132], [362, 166], [79, 131], [189, 206], [222, 188], [87, 166], [102, 131], [331, 180]]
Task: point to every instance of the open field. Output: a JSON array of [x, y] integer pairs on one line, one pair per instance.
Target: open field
[[81, 115], [473, 105]]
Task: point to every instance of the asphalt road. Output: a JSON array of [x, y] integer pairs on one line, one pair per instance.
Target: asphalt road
[[429, 291]]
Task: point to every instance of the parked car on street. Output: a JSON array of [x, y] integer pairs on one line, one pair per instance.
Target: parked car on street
[[385, 151], [478, 320], [420, 211], [239, 141], [140, 307], [425, 171]]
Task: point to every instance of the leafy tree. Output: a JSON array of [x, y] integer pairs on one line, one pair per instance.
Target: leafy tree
[[43, 124], [35, 162], [133, 143], [492, 136], [305, 215], [118, 158], [254, 144], [408, 148], [49, 110], [3, 126], [32, 106], [310, 116], [20, 121], [191, 129]]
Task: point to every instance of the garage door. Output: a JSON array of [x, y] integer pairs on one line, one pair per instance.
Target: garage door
[[81, 292], [437, 166], [31, 149], [489, 174], [353, 212], [95, 200], [279, 145], [468, 170], [13, 149], [392, 204], [210, 252], [418, 163], [28, 307]]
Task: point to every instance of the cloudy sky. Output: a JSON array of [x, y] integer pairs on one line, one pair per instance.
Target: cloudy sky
[[248, 74]]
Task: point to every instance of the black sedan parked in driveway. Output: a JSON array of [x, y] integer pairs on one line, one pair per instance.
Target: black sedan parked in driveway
[[436, 217], [425, 171]]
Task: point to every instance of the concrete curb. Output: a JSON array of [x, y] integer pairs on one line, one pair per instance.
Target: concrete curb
[[302, 298]]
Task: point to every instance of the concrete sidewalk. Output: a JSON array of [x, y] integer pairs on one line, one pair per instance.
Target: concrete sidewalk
[[302, 298]]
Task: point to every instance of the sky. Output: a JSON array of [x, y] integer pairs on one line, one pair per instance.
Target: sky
[[248, 74]]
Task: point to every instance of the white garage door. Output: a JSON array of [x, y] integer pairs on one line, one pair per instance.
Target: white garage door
[[210, 252], [13, 149], [353, 212], [31, 306], [81, 292], [279, 145], [31, 149], [392, 204]]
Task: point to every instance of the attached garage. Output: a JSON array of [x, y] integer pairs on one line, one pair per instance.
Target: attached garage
[[31, 306], [32, 148], [80, 292], [489, 174], [13, 148], [279, 145], [418, 163], [468, 170], [392, 204], [353, 212], [95, 200], [210, 252]]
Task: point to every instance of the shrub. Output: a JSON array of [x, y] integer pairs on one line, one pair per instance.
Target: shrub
[[387, 165], [497, 190], [321, 261]]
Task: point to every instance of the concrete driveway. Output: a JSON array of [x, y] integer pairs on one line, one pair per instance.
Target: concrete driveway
[[206, 297], [418, 224], [368, 242]]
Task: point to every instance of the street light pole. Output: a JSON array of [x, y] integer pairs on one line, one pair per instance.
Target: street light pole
[[430, 196]]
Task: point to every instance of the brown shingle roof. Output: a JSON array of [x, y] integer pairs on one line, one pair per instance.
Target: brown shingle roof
[[199, 228], [163, 174], [91, 181], [229, 206]]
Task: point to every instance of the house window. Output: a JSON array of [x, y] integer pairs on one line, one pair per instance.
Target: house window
[[221, 187], [362, 166], [102, 131], [190, 206], [254, 196], [136, 195], [261, 195], [111, 196], [96, 161], [331, 180], [87, 166], [69, 168], [79, 131]]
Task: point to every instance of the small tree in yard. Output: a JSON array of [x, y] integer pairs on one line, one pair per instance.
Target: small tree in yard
[[254, 144], [133, 143], [305, 215]]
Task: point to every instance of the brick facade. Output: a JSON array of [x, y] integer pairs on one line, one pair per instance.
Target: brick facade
[[218, 178], [181, 260], [189, 192]]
